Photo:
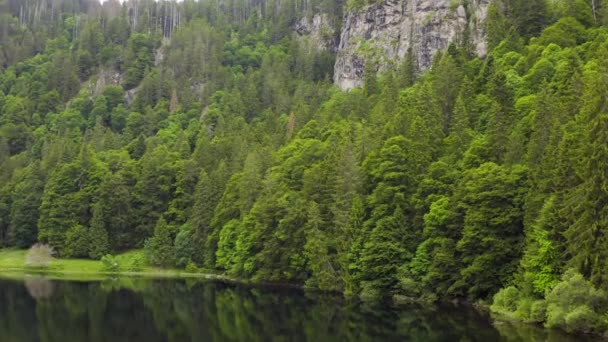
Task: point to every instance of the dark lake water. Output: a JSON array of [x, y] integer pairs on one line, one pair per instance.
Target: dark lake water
[[37, 309]]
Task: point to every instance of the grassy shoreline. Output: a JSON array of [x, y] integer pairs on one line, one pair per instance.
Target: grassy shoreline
[[12, 265]]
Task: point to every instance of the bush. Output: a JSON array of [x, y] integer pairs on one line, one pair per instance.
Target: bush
[[370, 292], [538, 311], [575, 305], [524, 307], [110, 264], [39, 256], [505, 301], [191, 267], [137, 264], [581, 319]]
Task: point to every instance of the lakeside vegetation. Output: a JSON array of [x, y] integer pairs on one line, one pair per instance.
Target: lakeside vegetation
[[13, 264], [220, 143]]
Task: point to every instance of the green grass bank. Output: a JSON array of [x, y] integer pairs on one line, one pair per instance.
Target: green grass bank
[[13, 265]]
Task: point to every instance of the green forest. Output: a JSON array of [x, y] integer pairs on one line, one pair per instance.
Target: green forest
[[221, 144]]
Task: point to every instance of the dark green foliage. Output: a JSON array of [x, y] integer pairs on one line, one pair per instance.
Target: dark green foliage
[[99, 244], [492, 201], [23, 226], [159, 248], [67, 198], [220, 142], [138, 59], [185, 247], [76, 242]]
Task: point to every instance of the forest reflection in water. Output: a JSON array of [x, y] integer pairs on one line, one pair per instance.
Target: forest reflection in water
[[129, 309]]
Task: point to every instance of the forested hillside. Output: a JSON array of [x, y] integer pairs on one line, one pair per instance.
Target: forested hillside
[[210, 134]]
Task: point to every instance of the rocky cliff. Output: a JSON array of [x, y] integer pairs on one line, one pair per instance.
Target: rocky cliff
[[317, 32], [384, 33]]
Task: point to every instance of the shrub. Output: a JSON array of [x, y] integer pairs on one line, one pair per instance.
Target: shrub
[[110, 264], [39, 256], [538, 311], [370, 292], [191, 267], [505, 301], [524, 307], [137, 264], [582, 318], [575, 305]]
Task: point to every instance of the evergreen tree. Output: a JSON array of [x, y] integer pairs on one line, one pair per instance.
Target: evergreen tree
[[323, 274], [25, 202], [491, 242], [159, 247], [98, 235], [586, 236]]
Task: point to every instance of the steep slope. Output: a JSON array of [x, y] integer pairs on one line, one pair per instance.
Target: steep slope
[[384, 32]]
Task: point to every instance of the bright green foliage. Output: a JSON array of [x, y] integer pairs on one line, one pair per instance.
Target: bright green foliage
[[226, 249], [506, 300], [575, 305], [226, 146], [540, 263], [110, 264]]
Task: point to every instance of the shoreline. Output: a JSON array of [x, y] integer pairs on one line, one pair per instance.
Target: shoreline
[[73, 270], [100, 275]]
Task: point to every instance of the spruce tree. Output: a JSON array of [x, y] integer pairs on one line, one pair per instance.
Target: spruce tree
[[25, 205], [159, 247], [98, 235]]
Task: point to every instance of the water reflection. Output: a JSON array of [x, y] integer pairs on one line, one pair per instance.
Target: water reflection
[[143, 310], [39, 287]]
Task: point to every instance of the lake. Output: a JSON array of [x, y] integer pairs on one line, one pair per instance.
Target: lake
[[132, 309]]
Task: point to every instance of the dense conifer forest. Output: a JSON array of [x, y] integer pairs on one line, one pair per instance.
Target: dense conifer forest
[[210, 134]]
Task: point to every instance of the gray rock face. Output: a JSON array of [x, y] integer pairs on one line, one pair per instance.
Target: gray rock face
[[384, 32], [317, 32]]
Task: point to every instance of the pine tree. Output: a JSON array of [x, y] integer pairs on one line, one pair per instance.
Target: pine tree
[[159, 247], [540, 264], [323, 275], [98, 235], [24, 214], [461, 134], [587, 237], [491, 241], [382, 255], [76, 242]]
